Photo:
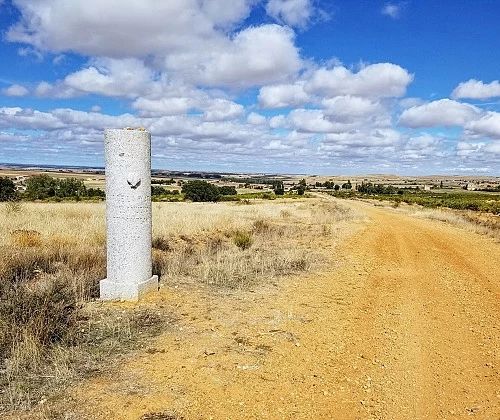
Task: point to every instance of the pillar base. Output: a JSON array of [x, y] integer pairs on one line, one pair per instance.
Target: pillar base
[[110, 290]]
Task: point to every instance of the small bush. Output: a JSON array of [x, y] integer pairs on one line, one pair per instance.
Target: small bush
[[242, 240], [161, 243], [261, 226]]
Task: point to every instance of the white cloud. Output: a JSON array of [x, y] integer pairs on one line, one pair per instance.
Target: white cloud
[[57, 90], [486, 126], [131, 28], [465, 149], [59, 119], [378, 80], [222, 109], [111, 77], [476, 89], [295, 13], [277, 121], [364, 138], [444, 112], [255, 56], [164, 106], [421, 147], [256, 119], [225, 14], [493, 148], [310, 121], [96, 108], [394, 10], [391, 10], [185, 37], [351, 108], [15, 90], [280, 96]]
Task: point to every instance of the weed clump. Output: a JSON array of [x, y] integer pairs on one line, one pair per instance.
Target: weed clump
[[243, 240]]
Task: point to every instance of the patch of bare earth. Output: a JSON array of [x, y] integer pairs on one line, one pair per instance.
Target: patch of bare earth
[[403, 324]]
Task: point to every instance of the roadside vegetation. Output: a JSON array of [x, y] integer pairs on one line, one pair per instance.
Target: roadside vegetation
[[463, 200], [53, 331]]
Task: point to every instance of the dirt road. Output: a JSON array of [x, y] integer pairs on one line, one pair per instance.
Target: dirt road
[[404, 324]]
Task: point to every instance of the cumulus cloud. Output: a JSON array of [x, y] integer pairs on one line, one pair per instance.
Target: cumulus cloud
[[379, 80], [486, 126], [280, 96], [15, 90], [444, 112], [421, 147], [164, 106], [311, 121], [351, 108], [295, 13], [222, 109], [61, 118], [476, 89], [112, 77], [56, 90], [254, 56], [131, 28], [256, 119], [465, 149], [188, 38]]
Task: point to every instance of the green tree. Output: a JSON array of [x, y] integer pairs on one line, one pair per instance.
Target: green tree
[[7, 189], [200, 191], [279, 187], [70, 187], [347, 185], [39, 187]]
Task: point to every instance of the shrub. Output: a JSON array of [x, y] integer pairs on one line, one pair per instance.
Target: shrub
[[227, 190], [242, 239]]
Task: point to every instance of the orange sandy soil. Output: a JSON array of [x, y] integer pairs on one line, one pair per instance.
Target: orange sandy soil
[[403, 324]]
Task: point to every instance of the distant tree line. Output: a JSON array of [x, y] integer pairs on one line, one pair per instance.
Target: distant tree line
[[369, 188], [250, 181], [330, 185]]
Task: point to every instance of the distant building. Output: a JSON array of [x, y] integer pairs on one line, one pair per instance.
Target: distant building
[[471, 186], [427, 187]]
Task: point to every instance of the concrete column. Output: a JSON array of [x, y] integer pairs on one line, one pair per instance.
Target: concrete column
[[128, 215]]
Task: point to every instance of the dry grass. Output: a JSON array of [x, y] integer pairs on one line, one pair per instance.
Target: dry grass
[[477, 222], [52, 256]]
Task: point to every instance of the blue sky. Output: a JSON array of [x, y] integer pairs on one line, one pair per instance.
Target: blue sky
[[280, 86]]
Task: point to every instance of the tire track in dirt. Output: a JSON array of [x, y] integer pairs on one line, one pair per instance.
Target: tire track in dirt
[[402, 324]]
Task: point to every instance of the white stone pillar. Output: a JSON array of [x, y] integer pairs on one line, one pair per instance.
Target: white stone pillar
[[128, 215]]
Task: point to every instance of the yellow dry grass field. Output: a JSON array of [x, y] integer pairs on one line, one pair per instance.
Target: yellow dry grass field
[[52, 256]]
